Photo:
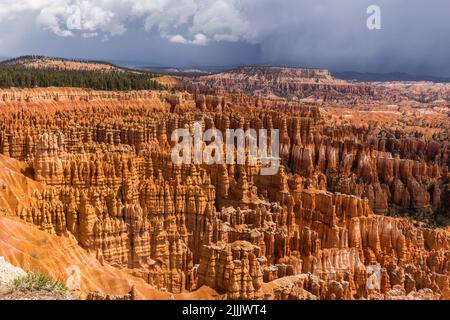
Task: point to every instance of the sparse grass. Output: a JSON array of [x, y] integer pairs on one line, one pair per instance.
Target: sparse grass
[[38, 282]]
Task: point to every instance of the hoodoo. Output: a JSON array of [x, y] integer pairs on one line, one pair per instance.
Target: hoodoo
[[348, 198]]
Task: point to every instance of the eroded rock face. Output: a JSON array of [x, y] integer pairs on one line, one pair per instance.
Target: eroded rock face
[[283, 82], [98, 296], [318, 229]]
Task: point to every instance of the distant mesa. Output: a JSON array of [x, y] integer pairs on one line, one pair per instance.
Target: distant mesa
[[283, 82], [60, 64], [283, 73]]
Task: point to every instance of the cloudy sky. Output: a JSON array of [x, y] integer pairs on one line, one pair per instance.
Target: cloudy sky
[[414, 35]]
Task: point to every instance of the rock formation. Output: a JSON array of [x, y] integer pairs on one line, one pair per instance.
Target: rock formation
[[290, 83], [331, 224]]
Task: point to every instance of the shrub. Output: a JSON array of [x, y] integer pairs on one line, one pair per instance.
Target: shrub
[[38, 282]]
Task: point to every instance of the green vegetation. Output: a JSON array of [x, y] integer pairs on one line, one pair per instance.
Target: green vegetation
[[38, 282], [32, 78]]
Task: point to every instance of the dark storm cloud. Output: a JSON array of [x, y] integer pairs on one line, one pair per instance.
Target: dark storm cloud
[[414, 37]]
